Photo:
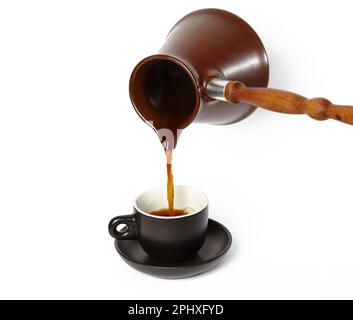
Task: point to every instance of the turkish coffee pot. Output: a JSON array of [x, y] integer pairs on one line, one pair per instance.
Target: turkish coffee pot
[[213, 68]]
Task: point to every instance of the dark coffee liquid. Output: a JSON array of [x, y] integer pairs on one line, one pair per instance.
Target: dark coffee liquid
[[170, 188], [170, 181], [171, 93], [166, 213], [170, 211], [166, 96]]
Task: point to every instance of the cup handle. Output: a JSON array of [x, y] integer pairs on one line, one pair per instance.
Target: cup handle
[[128, 232]]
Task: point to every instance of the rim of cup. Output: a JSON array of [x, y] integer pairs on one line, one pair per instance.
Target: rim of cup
[[157, 188]]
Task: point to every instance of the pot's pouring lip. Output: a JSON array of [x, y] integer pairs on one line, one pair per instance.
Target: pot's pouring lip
[[189, 71]]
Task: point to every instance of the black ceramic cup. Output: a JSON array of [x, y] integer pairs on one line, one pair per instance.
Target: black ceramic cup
[[169, 239]]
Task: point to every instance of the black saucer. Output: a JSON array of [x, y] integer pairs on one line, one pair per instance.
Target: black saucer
[[217, 243]]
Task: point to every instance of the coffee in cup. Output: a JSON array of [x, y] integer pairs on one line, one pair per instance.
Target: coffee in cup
[[166, 238]]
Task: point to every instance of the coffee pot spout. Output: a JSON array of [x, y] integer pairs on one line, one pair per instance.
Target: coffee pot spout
[[168, 88]]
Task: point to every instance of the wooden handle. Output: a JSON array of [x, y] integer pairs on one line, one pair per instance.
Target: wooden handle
[[287, 102]]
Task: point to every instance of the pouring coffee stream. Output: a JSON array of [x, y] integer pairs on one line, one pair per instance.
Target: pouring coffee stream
[[213, 68], [170, 211]]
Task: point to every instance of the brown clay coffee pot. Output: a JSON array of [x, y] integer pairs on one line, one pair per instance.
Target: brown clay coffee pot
[[213, 68]]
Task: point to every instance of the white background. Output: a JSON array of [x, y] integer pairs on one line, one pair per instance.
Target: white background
[[73, 154]]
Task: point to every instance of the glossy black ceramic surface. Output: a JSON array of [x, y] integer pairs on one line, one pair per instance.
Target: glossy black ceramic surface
[[217, 243], [170, 239]]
